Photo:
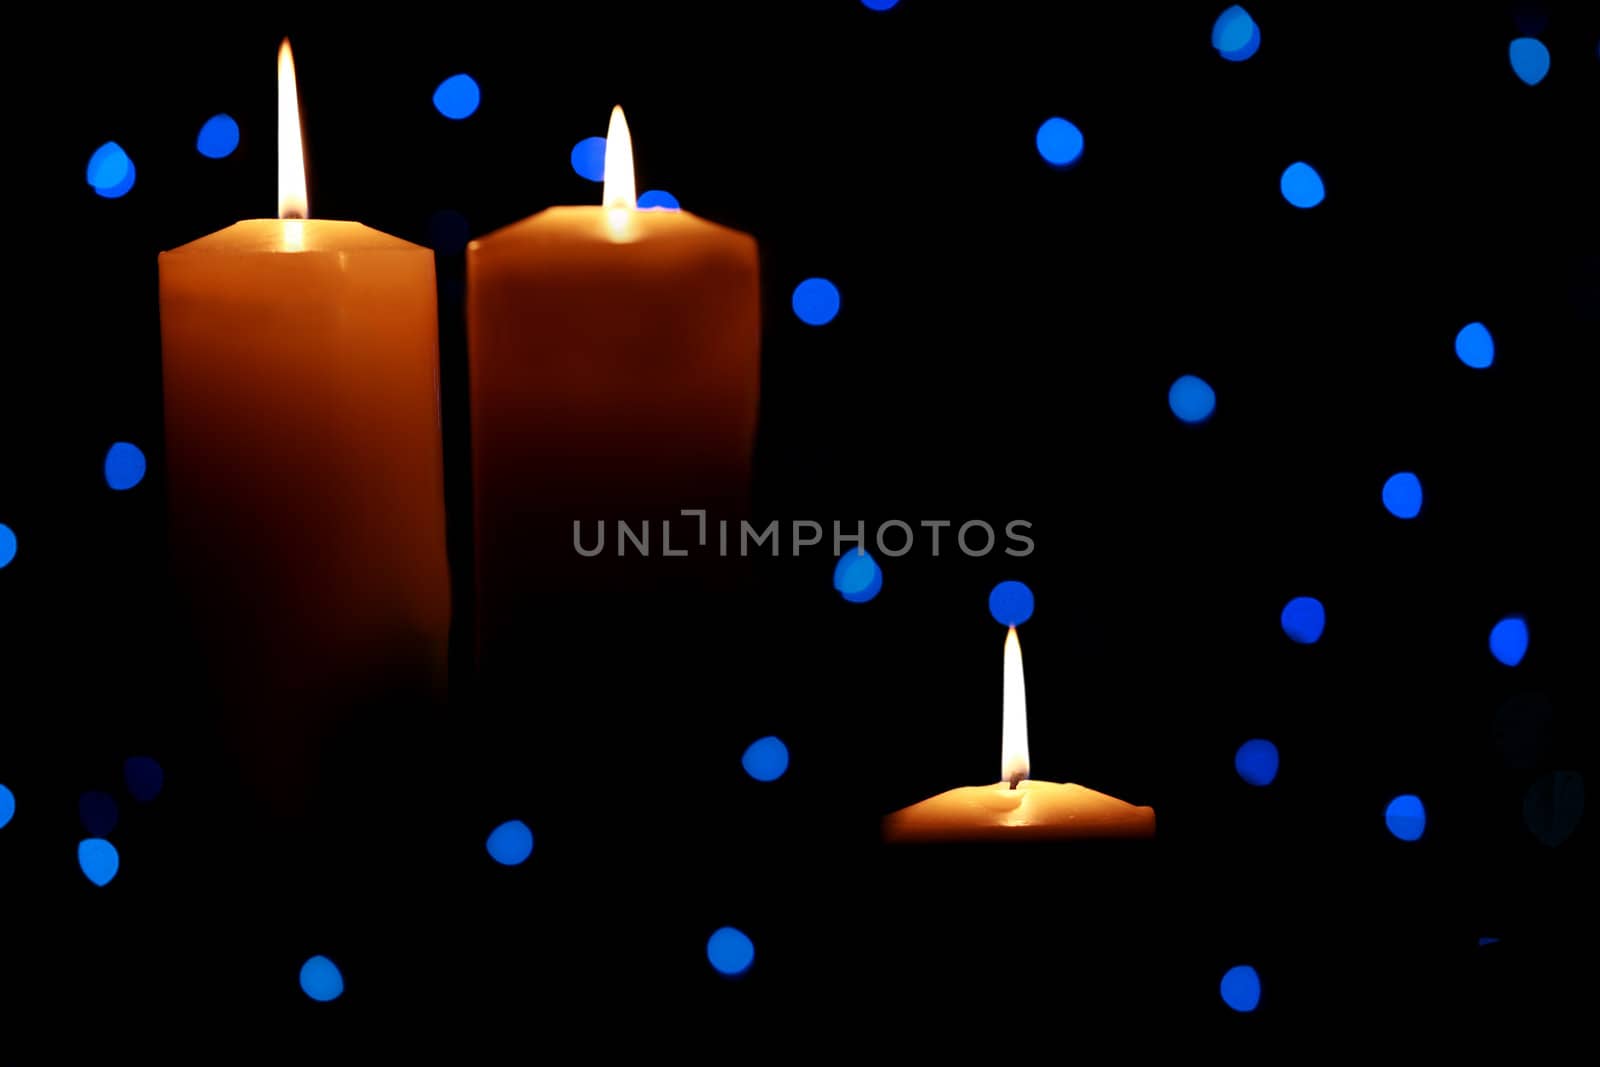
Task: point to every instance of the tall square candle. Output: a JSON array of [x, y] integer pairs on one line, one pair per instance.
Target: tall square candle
[[615, 363], [305, 474]]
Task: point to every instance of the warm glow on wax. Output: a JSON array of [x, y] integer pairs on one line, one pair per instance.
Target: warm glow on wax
[[1017, 808], [292, 202], [1014, 728], [619, 187]]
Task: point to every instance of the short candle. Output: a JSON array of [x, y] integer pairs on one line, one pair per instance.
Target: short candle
[[1017, 808]]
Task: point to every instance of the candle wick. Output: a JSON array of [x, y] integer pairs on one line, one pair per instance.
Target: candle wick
[[1015, 778]]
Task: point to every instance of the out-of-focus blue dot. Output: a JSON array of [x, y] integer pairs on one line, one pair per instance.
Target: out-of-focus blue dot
[[1402, 495], [1405, 818], [1475, 345], [1303, 619], [144, 777], [448, 232], [8, 544], [1302, 185], [1059, 142], [218, 137], [1191, 399], [730, 951], [857, 576], [589, 158], [1235, 35], [870, 591], [125, 465], [98, 860], [110, 171], [98, 812], [108, 166], [457, 96], [1241, 988], [1257, 761], [8, 805], [320, 978], [659, 199], [1011, 603], [1553, 806], [1508, 641], [1488, 941], [1530, 59], [766, 759], [121, 188], [510, 843], [879, 5], [854, 571], [816, 301]]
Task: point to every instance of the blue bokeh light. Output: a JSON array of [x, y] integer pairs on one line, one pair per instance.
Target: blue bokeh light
[[8, 806], [98, 812], [110, 172], [108, 166], [1235, 35], [1475, 345], [1303, 620], [730, 951], [510, 843], [854, 571], [457, 96], [8, 544], [218, 137], [857, 576], [1059, 142], [321, 980], [589, 158], [121, 188], [1257, 761], [98, 860], [1488, 941], [1011, 603], [1508, 640], [878, 5], [658, 199], [1192, 399], [125, 466], [144, 777], [1405, 818], [448, 232], [1402, 495], [1530, 59], [1301, 185], [1241, 988], [766, 759], [816, 301], [1552, 807]]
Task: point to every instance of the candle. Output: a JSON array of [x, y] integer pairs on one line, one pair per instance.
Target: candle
[[304, 464], [1017, 808], [614, 357]]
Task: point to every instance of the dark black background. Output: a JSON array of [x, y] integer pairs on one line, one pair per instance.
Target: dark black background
[[1007, 337]]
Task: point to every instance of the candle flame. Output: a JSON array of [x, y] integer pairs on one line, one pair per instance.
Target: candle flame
[[292, 202], [1014, 732], [619, 187]]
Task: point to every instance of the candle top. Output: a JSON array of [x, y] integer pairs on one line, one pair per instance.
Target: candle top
[[272, 236], [588, 225], [617, 220], [1032, 810]]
